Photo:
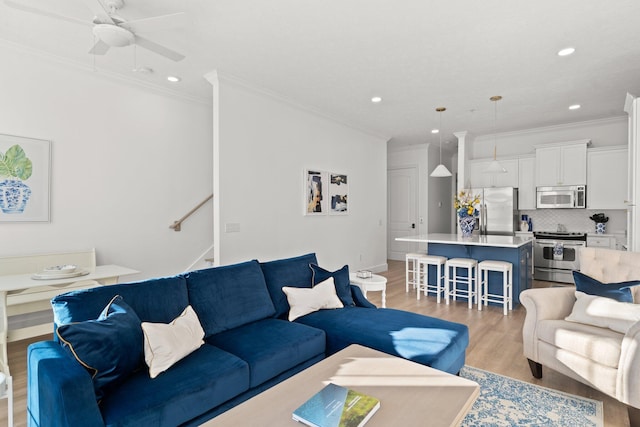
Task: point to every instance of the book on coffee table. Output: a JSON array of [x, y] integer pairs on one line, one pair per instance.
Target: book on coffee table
[[337, 406]]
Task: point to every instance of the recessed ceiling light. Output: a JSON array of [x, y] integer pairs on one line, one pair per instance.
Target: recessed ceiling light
[[574, 107], [566, 51], [376, 99], [435, 130], [173, 79]]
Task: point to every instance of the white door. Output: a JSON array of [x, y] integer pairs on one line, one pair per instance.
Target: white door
[[402, 210]]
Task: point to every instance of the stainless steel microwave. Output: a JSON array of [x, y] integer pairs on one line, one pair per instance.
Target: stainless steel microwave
[[564, 197]]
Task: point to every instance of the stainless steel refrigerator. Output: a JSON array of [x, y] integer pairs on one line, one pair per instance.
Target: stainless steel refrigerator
[[498, 210]]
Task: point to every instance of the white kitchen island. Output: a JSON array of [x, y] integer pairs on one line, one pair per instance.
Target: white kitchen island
[[513, 249]]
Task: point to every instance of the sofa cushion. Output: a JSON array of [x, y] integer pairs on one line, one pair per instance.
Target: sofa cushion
[[304, 301], [601, 345], [271, 346], [340, 278], [617, 291], [154, 300], [604, 312], [204, 379], [167, 343], [229, 296], [426, 340], [109, 347], [293, 272]]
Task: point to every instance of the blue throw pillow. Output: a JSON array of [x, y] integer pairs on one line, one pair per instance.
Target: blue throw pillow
[[617, 291], [340, 278], [109, 347]]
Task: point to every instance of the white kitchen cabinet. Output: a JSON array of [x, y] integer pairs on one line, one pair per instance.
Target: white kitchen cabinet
[[607, 178], [562, 164], [601, 241], [526, 183], [480, 179]]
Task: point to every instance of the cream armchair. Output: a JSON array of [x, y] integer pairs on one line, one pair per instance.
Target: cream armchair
[[599, 357]]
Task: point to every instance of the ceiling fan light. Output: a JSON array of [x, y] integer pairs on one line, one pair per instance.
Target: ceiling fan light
[[440, 171], [113, 35]]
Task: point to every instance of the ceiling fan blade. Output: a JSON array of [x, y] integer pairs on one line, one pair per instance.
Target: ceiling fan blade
[[100, 48], [97, 8], [16, 5], [163, 22], [160, 50]]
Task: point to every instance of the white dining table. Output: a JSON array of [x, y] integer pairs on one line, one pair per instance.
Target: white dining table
[[22, 294]]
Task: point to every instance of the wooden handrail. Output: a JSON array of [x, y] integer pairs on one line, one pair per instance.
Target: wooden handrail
[[177, 224]]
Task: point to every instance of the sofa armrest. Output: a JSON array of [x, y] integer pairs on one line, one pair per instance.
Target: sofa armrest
[[359, 298], [628, 379], [59, 390], [543, 304]]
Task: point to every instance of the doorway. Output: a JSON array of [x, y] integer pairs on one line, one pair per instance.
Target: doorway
[[402, 210]]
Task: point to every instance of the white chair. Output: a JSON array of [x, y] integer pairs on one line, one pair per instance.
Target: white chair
[[452, 279], [604, 359], [412, 270], [506, 298], [438, 287]]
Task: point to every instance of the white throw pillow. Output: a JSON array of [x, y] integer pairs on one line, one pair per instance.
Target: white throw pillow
[[166, 344], [307, 300], [604, 312]]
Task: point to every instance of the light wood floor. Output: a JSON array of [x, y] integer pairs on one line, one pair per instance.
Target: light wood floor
[[496, 346]]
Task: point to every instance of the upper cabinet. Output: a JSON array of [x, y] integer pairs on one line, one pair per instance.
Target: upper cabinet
[[562, 164], [608, 179], [478, 178], [527, 183]]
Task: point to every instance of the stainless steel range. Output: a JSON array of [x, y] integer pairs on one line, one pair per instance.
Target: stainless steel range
[[555, 255]]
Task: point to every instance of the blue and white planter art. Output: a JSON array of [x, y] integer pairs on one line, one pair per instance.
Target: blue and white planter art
[[14, 195]]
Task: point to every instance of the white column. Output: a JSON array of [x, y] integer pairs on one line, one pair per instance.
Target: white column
[[633, 193], [465, 139]]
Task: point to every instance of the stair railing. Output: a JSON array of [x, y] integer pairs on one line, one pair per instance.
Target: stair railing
[[176, 226]]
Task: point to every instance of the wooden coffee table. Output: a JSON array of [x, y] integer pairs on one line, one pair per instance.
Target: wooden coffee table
[[410, 394]]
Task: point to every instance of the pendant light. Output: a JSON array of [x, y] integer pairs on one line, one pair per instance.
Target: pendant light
[[495, 166], [441, 170]]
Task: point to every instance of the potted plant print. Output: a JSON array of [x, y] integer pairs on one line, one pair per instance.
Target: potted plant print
[[15, 168]]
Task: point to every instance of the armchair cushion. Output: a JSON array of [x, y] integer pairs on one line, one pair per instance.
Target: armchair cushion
[[618, 291], [604, 312], [594, 343]]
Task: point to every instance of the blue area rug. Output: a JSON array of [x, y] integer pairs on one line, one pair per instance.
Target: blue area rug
[[504, 401]]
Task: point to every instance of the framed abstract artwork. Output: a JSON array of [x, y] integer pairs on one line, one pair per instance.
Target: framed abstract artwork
[[25, 169], [315, 188], [338, 194]]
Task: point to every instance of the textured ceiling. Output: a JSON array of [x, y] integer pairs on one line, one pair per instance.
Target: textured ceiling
[[333, 56]]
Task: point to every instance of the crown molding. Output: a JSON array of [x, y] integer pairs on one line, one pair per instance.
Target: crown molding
[[564, 126], [217, 75], [101, 73]]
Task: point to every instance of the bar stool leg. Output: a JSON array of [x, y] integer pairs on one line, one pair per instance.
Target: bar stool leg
[[438, 282], [470, 292], [420, 281], [446, 284]]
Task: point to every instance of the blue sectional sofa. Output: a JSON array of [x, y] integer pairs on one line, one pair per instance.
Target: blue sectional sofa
[[249, 344]]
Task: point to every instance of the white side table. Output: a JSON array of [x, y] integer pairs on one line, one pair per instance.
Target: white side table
[[373, 283]]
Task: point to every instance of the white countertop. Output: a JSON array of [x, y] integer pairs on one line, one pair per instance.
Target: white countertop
[[475, 240]]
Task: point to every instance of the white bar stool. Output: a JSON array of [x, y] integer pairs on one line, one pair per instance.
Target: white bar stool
[[439, 287], [452, 281], [412, 270], [484, 297]]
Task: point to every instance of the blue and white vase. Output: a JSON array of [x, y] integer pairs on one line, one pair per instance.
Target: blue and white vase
[[14, 195], [467, 223], [600, 227]]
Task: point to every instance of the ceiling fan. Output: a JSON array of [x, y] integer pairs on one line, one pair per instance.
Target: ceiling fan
[[112, 30]]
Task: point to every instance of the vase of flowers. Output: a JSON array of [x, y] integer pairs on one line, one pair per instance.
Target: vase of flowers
[[465, 204]]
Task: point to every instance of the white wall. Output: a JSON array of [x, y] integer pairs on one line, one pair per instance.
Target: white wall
[[126, 162], [263, 146]]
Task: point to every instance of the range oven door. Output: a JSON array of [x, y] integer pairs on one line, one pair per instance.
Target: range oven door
[[557, 254]]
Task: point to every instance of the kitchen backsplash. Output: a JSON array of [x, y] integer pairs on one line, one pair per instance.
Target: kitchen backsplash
[[576, 220]]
